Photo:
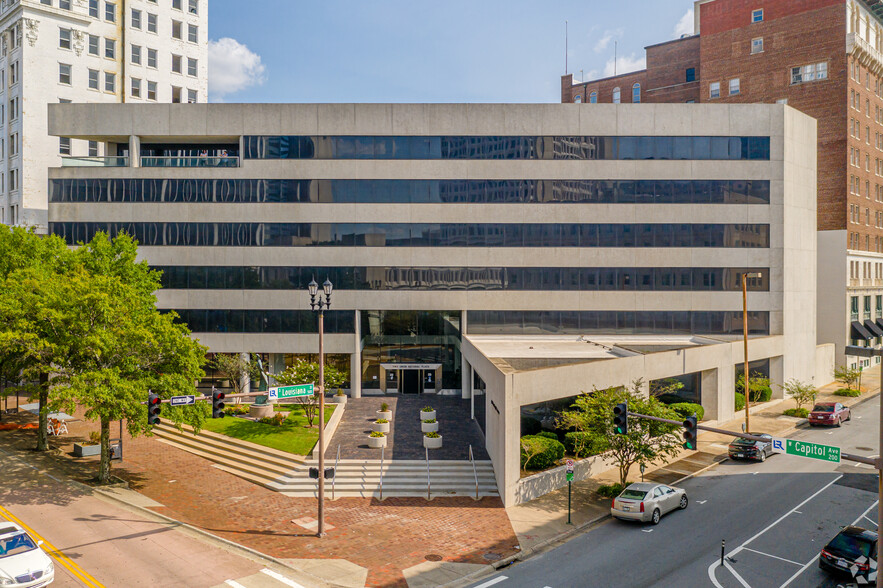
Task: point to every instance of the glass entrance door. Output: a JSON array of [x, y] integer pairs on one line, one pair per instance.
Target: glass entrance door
[[410, 381]]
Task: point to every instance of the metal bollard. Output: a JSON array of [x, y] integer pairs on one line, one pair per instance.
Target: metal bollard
[[723, 547]]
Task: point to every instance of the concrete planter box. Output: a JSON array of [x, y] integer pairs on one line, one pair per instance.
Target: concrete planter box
[[86, 450], [429, 427], [259, 411], [432, 442], [339, 399], [427, 416], [377, 442], [384, 415], [381, 427]]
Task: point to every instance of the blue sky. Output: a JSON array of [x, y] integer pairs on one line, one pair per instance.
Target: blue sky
[[418, 51]]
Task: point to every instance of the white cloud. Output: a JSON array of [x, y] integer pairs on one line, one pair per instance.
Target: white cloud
[[624, 64], [685, 25], [605, 39], [232, 67]]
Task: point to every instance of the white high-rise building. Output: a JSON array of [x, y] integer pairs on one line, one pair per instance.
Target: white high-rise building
[[100, 51]]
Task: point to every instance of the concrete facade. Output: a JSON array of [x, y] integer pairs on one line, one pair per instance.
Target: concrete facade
[[111, 42]]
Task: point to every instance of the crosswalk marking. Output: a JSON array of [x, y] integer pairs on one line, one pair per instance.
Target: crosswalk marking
[[496, 580], [234, 584], [281, 578]]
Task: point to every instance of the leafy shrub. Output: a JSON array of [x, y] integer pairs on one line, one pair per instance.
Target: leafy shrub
[[539, 452], [764, 394], [276, 420], [377, 434], [232, 409], [577, 444], [669, 398], [427, 409], [686, 409], [339, 392], [432, 435], [381, 421], [847, 392], [94, 438], [797, 412], [429, 421], [384, 407], [740, 401], [611, 490], [548, 435]]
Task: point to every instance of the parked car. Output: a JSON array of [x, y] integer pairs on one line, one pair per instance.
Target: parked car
[[849, 552], [740, 448], [647, 502], [829, 413], [23, 564]]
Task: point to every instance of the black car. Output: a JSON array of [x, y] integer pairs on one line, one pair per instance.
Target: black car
[[850, 553], [749, 449]]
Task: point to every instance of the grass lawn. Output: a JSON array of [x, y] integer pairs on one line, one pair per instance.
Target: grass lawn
[[292, 436]]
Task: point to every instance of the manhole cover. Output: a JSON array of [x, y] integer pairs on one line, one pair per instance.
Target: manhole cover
[[492, 556], [433, 557], [865, 448]]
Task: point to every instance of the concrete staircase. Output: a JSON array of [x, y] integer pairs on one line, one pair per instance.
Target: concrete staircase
[[289, 474]]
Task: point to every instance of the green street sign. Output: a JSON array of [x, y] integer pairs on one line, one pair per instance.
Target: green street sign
[[804, 449], [298, 391], [570, 476]]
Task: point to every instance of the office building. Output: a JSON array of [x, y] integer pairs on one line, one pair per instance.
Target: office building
[[97, 51]]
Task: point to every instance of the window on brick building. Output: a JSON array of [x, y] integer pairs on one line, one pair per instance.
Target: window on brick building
[[616, 95], [593, 98], [757, 15], [714, 90], [734, 86], [691, 74], [636, 93], [757, 45]]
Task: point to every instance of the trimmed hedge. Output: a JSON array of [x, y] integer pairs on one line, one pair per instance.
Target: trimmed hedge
[[548, 435], [552, 451], [740, 401], [848, 392], [796, 412], [611, 490], [762, 395], [570, 442], [686, 409]]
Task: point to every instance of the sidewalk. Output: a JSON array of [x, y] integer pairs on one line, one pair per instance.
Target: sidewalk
[[543, 521], [395, 543]]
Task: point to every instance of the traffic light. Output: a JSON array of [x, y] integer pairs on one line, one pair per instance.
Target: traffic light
[[691, 433], [153, 409], [621, 419], [218, 405]]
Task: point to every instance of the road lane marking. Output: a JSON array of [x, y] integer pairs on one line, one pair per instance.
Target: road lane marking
[[772, 556], [496, 580], [280, 578], [737, 576], [647, 530], [869, 520], [56, 553], [810, 562], [701, 501], [233, 584]]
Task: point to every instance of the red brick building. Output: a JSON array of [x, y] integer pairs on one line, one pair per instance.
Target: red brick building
[[823, 57]]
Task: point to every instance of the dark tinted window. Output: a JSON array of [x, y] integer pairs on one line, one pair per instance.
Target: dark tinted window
[[823, 408], [849, 545]]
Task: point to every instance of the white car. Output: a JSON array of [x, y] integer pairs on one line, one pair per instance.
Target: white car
[[23, 564]]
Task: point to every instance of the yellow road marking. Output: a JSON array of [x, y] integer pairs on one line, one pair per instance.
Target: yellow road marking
[[56, 553]]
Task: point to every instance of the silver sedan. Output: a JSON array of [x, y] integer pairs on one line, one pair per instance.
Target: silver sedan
[[647, 502]]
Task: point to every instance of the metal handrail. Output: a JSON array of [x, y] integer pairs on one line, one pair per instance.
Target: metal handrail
[[334, 479], [382, 449], [474, 472], [428, 478]]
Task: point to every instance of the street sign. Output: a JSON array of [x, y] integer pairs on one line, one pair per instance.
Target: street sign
[[810, 450], [182, 400], [569, 465], [570, 476], [298, 391]]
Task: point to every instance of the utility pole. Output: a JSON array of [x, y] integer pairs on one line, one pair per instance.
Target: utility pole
[[746, 388], [317, 304]]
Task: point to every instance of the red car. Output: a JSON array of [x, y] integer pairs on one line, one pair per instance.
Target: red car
[[829, 413]]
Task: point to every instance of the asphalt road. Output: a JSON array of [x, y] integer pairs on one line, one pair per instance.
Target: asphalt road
[[774, 516]]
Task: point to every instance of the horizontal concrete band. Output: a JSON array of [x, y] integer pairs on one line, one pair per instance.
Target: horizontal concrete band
[[472, 300], [410, 213], [450, 170]]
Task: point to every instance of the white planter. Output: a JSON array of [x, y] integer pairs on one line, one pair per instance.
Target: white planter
[[427, 416], [377, 442], [384, 415], [86, 450], [432, 442], [381, 427], [339, 399], [429, 427]]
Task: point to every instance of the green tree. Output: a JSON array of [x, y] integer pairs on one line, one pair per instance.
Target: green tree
[[646, 441], [233, 366], [801, 392], [847, 376], [305, 372]]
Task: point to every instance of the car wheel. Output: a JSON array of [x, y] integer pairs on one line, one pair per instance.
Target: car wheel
[[839, 422], [655, 518], [683, 503], [849, 418], [763, 456]]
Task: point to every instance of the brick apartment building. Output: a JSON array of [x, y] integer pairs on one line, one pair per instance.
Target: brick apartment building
[[825, 58]]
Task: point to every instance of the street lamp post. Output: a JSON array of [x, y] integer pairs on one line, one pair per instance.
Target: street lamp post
[[746, 388], [317, 304]]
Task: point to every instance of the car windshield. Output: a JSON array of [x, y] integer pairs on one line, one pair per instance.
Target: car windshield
[[633, 494], [15, 544], [823, 408], [849, 545]]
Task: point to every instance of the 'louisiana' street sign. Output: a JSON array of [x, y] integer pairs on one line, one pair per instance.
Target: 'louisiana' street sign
[[298, 391], [804, 449]]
